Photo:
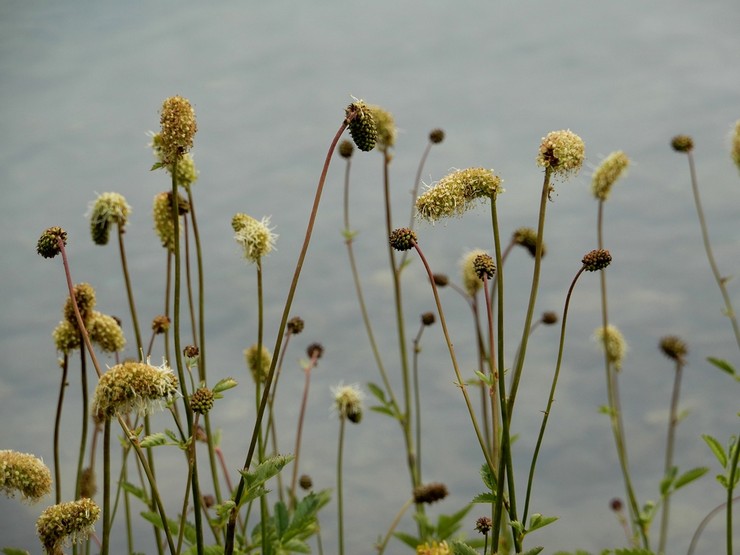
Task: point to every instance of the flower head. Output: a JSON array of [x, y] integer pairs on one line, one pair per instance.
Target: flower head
[[177, 119], [610, 169], [484, 266], [402, 239], [134, 386], [66, 523], [596, 260], [106, 332], [295, 325], [348, 402], [162, 214], [48, 245], [258, 362], [456, 192], [385, 126], [470, 280], [682, 143], [613, 340], [25, 474], [735, 151], [201, 401], [106, 210], [85, 297], [66, 337], [345, 149], [430, 493], [563, 152], [436, 136], [255, 236], [527, 237], [434, 548], [674, 348], [186, 173], [361, 125]]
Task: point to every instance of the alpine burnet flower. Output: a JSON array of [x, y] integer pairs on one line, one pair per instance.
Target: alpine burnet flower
[[735, 151], [563, 152], [106, 332], [66, 523], [616, 346], [470, 280], [348, 402], [105, 211], [25, 474], [456, 193], [177, 120], [255, 236], [610, 169], [385, 127]]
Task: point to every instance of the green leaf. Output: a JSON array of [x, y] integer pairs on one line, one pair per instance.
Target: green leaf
[[722, 479], [304, 517], [155, 440], [690, 476], [156, 166], [461, 548], [538, 521], [667, 481], [485, 378], [604, 409], [377, 392], [13, 551], [449, 524], [207, 550], [295, 546], [408, 539], [717, 449], [534, 551], [282, 519], [486, 497], [383, 410], [224, 385], [139, 493], [265, 470], [722, 365], [487, 476]]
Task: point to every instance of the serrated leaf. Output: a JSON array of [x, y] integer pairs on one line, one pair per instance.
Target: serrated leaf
[[265, 470], [155, 440], [304, 516], [460, 548], [295, 546], [224, 385], [534, 551], [487, 497], [722, 365], [376, 391], [449, 524], [139, 493], [689, 476], [487, 476], [538, 521], [717, 449], [281, 518]]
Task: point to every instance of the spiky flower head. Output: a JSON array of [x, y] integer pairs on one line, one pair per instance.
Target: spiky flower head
[[201, 401], [162, 214], [105, 211], [48, 245], [25, 474], [563, 152], [402, 239], [457, 192], [436, 136], [674, 348], [177, 119], [484, 266], [596, 260], [527, 237], [430, 493], [66, 523], [735, 150], [470, 280], [106, 332], [255, 236], [682, 143], [85, 297], [345, 149], [258, 362], [361, 125], [186, 173], [348, 402], [67, 337], [385, 126], [613, 340], [434, 548], [135, 386], [606, 175], [483, 525], [295, 325]]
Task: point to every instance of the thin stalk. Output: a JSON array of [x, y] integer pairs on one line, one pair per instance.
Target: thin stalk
[[57, 427], [415, 194], [396, 520], [299, 433], [340, 496], [189, 280], [85, 421], [106, 489], [258, 381], [129, 290], [703, 524], [730, 489], [231, 525], [417, 397]]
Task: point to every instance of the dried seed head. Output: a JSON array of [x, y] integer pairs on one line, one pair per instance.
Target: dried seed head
[[361, 125], [178, 128], [596, 260], [346, 148], [436, 136], [133, 386], [160, 324], [191, 352], [201, 401], [88, 486], [402, 239], [106, 332], [563, 152], [549, 318], [258, 362], [48, 245], [428, 318], [85, 297], [430, 493], [484, 266], [483, 525], [25, 474], [66, 523], [305, 482], [457, 192], [295, 325], [613, 340], [255, 236], [610, 169], [105, 211], [315, 350], [527, 237], [682, 143], [674, 348], [66, 337], [441, 280], [348, 401], [470, 280]]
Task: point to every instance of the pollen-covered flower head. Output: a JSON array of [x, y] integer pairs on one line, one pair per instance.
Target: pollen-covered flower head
[[348, 402], [255, 236], [106, 332], [66, 523], [105, 211], [134, 386], [563, 152], [613, 340], [470, 280], [433, 548], [527, 237], [735, 150], [25, 474], [186, 173], [456, 192], [164, 225], [258, 362], [610, 169], [85, 297], [67, 337], [177, 119], [385, 126]]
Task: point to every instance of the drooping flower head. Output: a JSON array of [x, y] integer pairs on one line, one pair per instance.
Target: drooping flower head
[[255, 236], [361, 125], [134, 386], [562, 151], [48, 244], [25, 474], [610, 169], [527, 237], [105, 211], [348, 402], [177, 119], [385, 126], [616, 346], [66, 523], [470, 280], [456, 192]]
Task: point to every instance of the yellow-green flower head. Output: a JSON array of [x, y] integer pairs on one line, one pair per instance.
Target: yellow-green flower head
[[610, 169], [562, 151], [255, 236], [106, 332], [348, 401], [385, 126], [455, 193], [66, 337], [258, 362], [527, 237], [85, 297], [434, 548], [106, 210], [178, 128], [134, 386], [674, 348], [736, 145], [162, 214], [25, 474], [66, 523], [470, 280], [616, 346], [361, 125], [201, 401], [186, 173]]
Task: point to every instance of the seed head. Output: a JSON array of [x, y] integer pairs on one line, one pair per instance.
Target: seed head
[[305, 482], [430, 493], [201, 401], [295, 325], [105, 211], [315, 350], [85, 297], [682, 143], [483, 525], [457, 192], [65, 523], [428, 318], [255, 237], [527, 237], [134, 386], [484, 266], [66, 337], [258, 362], [47, 245], [611, 169], [88, 486], [615, 504], [596, 260], [735, 151], [674, 348], [106, 332], [160, 324], [191, 352], [346, 148], [549, 318], [470, 280], [403, 239], [616, 346], [441, 280], [178, 128], [562, 151], [436, 136], [25, 474], [362, 127], [348, 402]]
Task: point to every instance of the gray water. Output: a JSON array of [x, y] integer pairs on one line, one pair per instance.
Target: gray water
[[82, 84]]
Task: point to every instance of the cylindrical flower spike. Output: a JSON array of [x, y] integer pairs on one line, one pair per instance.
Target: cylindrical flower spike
[[470, 280], [85, 297], [186, 173], [254, 358], [674, 348], [162, 213], [134, 386], [616, 346], [47, 245], [402, 239], [255, 236], [562, 151], [596, 260], [25, 474], [66, 523], [178, 128], [361, 125], [456, 192], [610, 169], [106, 332], [105, 211]]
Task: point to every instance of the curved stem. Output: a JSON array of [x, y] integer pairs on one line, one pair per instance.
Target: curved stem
[[730, 489], [705, 521], [299, 432], [57, 427], [381, 547]]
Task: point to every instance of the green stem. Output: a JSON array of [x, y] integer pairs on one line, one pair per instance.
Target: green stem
[[730, 489], [299, 433], [705, 521], [57, 427], [106, 489], [85, 421], [415, 194], [340, 503], [417, 398], [129, 291]]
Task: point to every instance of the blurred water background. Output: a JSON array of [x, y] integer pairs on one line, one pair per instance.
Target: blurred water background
[[82, 83]]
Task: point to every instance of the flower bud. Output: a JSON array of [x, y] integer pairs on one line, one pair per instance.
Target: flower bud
[[682, 143], [346, 148], [201, 401], [527, 237], [483, 525], [674, 348], [47, 245], [549, 318], [160, 324], [484, 266], [315, 350], [305, 482], [258, 362], [430, 493], [66, 337], [596, 260], [436, 136], [295, 325], [402, 239], [428, 318], [108, 209], [85, 297], [361, 125]]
